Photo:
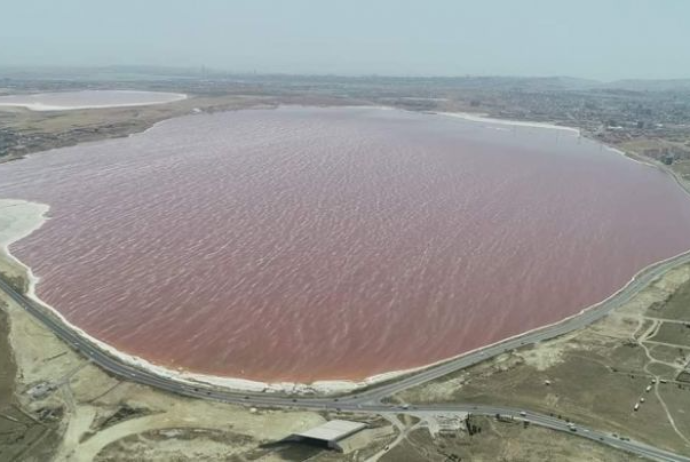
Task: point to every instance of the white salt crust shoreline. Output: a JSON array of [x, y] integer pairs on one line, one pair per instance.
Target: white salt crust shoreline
[[476, 117], [42, 107], [19, 218]]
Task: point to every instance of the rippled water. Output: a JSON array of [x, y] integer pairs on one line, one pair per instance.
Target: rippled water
[[302, 243]]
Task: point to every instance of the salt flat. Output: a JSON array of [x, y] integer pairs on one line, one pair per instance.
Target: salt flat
[[88, 99]]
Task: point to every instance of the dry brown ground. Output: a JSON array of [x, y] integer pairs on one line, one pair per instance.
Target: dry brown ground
[[22, 436], [503, 442]]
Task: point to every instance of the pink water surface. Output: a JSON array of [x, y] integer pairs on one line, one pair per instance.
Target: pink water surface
[[302, 244]]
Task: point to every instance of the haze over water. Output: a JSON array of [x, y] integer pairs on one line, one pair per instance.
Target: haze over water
[[303, 244]]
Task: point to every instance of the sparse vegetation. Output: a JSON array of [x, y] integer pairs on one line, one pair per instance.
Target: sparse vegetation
[[494, 440], [24, 435]]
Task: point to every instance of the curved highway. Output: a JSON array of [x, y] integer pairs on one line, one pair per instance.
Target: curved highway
[[369, 400]]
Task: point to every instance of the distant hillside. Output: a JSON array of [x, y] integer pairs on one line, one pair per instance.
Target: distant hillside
[[466, 82], [651, 85]]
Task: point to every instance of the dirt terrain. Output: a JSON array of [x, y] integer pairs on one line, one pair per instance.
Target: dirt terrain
[[22, 436], [503, 441]]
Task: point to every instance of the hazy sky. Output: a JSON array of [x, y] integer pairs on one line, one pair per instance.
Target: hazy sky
[[603, 39]]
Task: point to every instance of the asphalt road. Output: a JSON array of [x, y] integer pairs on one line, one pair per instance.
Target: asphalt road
[[370, 400], [555, 424]]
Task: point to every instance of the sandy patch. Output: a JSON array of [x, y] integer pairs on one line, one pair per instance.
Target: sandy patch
[[190, 415], [544, 358]]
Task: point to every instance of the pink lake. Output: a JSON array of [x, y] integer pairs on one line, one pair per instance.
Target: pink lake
[[305, 244]]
